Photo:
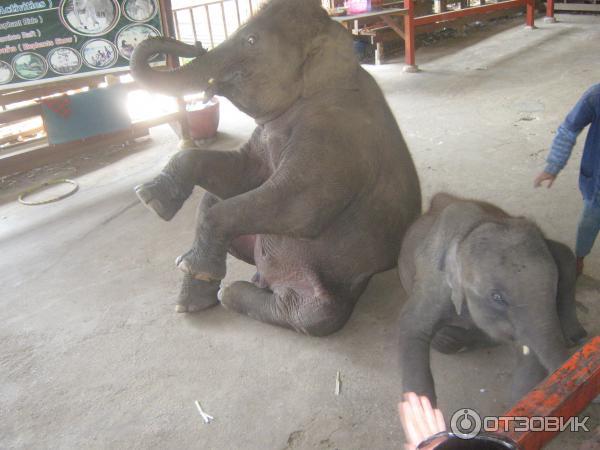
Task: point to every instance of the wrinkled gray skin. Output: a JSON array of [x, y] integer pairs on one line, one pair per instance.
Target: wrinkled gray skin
[[320, 196], [477, 276]]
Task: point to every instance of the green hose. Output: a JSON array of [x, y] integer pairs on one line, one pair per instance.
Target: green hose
[[43, 185]]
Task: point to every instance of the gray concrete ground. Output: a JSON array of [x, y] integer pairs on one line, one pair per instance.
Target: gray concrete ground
[[92, 354]]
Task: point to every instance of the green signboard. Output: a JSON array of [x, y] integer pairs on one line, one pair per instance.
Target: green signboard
[[43, 41]]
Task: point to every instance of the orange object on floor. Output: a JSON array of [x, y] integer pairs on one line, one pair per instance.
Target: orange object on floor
[[565, 393]]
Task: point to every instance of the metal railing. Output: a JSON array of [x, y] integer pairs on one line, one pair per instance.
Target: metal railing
[[212, 21]]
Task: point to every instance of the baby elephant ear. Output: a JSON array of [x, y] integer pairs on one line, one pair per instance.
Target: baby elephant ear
[[451, 267], [330, 61]]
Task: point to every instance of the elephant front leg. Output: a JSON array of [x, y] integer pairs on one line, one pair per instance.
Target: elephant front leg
[[422, 316], [196, 295], [285, 307], [222, 173], [273, 208], [415, 365]]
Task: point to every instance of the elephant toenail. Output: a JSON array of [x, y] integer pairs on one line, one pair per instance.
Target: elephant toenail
[[181, 308], [183, 265]]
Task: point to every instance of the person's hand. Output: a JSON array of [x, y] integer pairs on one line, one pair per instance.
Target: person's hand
[[419, 419], [544, 176]]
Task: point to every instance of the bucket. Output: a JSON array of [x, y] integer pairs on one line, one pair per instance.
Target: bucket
[[203, 118], [449, 441], [358, 6]]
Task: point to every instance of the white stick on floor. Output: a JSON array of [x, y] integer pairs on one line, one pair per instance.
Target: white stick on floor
[[207, 418]]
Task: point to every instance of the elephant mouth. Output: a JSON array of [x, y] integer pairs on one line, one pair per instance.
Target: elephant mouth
[[224, 84]]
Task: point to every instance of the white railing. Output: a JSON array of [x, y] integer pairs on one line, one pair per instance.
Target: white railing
[[212, 21]]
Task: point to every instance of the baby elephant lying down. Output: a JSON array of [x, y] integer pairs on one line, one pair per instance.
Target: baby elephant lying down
[[476, 276]]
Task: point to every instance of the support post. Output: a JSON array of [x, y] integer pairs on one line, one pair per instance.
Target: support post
[[378, 53], [409, 37], [530, 14], [549, 12]]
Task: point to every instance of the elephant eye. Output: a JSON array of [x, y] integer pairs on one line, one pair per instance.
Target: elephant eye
[[499, 299], [251, 39]]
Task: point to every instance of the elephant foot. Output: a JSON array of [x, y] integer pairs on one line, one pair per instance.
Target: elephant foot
[[233, 296], [201, 266], [196, 295], [449, 340], [313, 316], [452, 339], [162, 195], [576, 334]]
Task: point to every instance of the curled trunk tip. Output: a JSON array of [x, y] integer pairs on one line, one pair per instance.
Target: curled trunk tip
[[171, 81]]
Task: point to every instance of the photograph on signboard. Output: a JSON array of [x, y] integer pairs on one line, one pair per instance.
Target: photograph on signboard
[[90, 17], [140, 10], [30, 66], [6, 73], [64, 39], [129, 37], [99, 53], [64, 60]]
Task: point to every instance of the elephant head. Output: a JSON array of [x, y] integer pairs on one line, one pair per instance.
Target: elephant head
[[290, 49], [505, 274], [474, 273]]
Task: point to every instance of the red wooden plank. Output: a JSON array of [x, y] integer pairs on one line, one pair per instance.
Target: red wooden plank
[[550, 8], [409, 33], [530, 13], [565, 393], [450, 15]]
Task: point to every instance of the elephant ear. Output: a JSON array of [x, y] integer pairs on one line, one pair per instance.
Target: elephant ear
[[452, 269], [330, 61]]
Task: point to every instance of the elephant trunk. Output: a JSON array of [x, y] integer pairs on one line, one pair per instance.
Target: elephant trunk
[[547, 342], [182, 80]]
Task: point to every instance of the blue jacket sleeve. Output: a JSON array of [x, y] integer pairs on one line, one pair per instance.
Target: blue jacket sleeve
[[580, 116]]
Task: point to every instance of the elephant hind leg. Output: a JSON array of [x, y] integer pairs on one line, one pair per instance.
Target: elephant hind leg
[[451, 339], [311, 315]]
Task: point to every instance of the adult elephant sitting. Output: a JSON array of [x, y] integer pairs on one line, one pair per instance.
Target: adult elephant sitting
[[320, 196], [475, 276]]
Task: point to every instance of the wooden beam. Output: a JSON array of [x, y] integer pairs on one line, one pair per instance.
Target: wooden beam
[[393, 25], [576, 7], [565, 393], [450, 15]]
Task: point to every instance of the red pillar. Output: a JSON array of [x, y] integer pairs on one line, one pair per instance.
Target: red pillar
[[409, 36], [550, 11], [530, 13]]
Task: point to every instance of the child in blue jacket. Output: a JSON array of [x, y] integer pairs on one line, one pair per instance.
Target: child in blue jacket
[[584, 113]]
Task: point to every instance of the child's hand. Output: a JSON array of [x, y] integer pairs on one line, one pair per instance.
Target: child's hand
[[419, 419], [544, 176]]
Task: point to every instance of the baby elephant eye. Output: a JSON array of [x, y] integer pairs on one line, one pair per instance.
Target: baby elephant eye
[[252, 39], [497, 297]]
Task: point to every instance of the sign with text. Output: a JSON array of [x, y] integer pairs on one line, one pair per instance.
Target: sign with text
[[43, 41]]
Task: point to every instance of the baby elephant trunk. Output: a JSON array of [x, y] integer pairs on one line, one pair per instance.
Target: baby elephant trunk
[[546, 341], [182, 80]]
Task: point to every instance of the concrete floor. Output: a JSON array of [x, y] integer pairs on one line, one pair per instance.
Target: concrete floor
[[92, 354]]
